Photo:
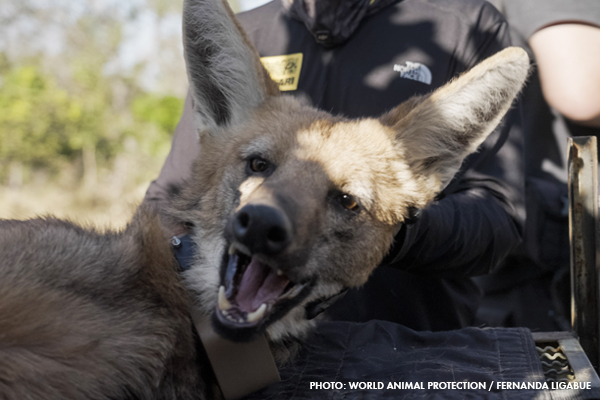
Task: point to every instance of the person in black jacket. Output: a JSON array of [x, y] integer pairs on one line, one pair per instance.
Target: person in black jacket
[[561, 99], [360, 58]]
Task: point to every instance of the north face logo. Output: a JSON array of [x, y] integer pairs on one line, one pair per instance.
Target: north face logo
[[415, 71]]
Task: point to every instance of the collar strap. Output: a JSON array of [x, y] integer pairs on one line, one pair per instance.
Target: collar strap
[[240, 368], [184, 249]]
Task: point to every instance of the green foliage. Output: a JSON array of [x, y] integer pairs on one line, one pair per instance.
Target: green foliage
[[163, 111], [157, 116], [44, 126], [36, 118], [79, 109]]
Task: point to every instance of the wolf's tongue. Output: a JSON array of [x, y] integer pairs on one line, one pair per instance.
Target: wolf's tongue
[[260, 284]]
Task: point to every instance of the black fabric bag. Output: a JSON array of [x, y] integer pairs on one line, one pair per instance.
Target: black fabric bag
[[379, 351]]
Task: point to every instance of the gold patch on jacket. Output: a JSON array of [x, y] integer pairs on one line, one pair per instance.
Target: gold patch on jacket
[[285, 70]]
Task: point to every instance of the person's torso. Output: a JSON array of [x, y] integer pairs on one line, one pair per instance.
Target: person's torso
[[408, 48]]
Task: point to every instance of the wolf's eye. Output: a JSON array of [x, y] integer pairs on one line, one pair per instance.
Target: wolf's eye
[[258, 164], [349, 202]]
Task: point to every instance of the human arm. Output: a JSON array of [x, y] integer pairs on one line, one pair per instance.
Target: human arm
[[565, 39], [568, 60], [479, 218], [178, 165]]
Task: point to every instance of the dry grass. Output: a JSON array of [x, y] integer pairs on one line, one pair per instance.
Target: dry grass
[[96, 207], [109, 202]]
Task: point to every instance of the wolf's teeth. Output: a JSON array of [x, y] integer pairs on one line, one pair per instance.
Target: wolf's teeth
[[258, 314], [224, 304], [231, 250], [293, 292], [296, 289]]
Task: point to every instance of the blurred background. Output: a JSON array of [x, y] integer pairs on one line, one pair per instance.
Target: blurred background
[[90, 93]]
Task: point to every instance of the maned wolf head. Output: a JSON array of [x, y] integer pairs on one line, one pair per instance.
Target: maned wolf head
[[291, 204]]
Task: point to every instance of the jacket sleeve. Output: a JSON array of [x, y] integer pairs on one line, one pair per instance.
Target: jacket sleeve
[[479, 218], [178, 165], [476, 223]]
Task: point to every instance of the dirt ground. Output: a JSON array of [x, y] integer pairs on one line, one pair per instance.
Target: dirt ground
[[99, 206]]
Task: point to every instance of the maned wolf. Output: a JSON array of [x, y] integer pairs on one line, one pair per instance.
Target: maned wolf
[[288, 205]]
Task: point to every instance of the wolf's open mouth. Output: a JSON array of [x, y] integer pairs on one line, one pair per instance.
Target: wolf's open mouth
[[252, 291]]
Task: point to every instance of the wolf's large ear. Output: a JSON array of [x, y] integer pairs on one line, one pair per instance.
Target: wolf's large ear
[[440, 131], [226, 77]]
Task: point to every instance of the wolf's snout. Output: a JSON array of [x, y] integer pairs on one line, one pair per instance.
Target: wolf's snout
[[263, 229]]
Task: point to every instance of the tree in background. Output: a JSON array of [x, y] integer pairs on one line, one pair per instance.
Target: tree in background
[[90, 93], [65, 96]]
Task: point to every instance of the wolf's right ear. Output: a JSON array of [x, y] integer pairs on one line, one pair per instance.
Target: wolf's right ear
[[227, 79], [436, 133]]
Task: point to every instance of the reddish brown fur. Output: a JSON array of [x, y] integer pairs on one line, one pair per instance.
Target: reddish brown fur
[[93, 315]]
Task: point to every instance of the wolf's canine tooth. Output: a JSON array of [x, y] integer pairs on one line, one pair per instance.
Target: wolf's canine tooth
[[258, 314], [293, 292], [224, 304]]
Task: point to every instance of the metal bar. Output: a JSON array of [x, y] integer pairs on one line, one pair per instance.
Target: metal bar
[[552, 337], [579, 363], [584, 237]]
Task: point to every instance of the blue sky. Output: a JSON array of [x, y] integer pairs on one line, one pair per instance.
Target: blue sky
[[140, 44], [250, 4], [141, 37]]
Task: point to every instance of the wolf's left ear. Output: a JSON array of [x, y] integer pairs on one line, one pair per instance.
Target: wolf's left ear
[[438, 133], [227, 79]]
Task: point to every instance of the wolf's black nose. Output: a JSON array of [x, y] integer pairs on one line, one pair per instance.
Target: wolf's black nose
[[263, 229]]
